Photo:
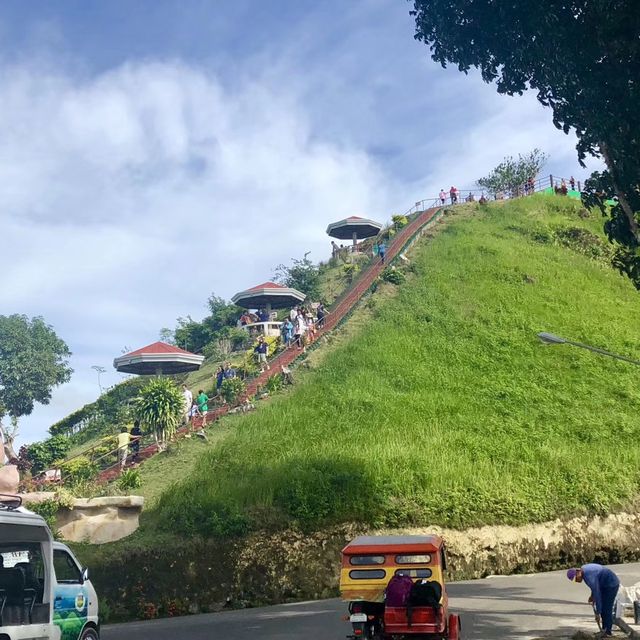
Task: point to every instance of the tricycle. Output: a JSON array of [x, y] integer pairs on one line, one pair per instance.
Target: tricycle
[[396, 590]]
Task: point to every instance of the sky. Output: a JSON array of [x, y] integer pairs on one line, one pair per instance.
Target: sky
[[155, 152]]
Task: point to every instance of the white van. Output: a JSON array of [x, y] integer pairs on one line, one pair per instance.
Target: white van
[[44, 592]]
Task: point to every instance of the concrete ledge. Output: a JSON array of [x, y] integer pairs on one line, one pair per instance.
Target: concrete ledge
[[94, 520]]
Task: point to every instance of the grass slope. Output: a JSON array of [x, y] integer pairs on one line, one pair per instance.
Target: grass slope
[[446, 409]]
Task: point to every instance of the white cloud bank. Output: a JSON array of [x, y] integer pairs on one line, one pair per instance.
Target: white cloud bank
[[127, 198]]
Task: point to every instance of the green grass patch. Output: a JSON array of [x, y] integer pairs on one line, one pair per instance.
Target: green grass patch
[[445, 409]]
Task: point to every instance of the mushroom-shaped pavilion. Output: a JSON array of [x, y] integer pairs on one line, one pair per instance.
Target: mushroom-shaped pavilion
[[355, 228], [158, 358], [268, 295]]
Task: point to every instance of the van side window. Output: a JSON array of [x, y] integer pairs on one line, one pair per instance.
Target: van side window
[[67, 571]]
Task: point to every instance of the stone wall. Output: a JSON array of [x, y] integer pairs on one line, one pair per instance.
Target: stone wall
[[100, 520], [281, 567]]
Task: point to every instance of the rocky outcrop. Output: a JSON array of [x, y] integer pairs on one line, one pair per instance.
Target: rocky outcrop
[[93, 520], [100, 520]]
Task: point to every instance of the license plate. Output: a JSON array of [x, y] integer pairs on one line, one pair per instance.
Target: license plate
[[358, 617]]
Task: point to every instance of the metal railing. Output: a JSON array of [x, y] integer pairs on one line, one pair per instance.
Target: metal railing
[[465, 196]]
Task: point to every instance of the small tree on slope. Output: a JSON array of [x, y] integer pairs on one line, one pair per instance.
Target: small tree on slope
[[159, 407], [510, 175]]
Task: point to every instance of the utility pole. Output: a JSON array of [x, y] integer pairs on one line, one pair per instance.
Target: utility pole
[[99, 370]]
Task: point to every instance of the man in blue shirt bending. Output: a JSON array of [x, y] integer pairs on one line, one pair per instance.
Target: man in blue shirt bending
[[604, 586]]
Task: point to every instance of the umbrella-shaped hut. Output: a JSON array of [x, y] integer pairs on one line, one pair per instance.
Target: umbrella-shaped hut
[[355, 228], [158, 358], [268, 296]]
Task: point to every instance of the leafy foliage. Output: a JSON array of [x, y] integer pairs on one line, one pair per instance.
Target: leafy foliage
[[393, 275], [79, 469], [129, 479], [582, 58], [232, 389], [99, 417], [511, 174], [600, 191], [349, 271], [33, 360], [160, 407], [302, 275], [218, 326], [399, 221], [41, 455]]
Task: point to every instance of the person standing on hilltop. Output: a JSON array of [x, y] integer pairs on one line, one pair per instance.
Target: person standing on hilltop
[[453, 194], [443, 197], [572, 182], [604, 585]]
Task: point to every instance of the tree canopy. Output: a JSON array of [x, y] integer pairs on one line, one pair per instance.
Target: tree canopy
[[33, 360], [302, 275], [511, 174], [582, 57]]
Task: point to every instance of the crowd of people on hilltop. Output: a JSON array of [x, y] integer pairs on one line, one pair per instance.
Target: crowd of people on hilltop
[[562, 189], [452, 196]]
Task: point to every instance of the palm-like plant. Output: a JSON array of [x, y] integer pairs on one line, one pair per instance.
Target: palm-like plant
[[159, 407]]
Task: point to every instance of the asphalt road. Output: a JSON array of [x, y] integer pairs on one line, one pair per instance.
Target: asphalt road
[[519, 607]]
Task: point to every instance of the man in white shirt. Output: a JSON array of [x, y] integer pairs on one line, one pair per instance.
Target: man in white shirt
[[188, 401]]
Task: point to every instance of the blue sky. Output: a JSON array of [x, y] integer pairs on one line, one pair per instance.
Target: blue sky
[[153, 152]]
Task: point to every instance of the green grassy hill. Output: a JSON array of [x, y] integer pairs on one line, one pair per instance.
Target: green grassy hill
[[445, 408]]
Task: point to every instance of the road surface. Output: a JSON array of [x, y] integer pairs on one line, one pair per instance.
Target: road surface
[[519, 607]]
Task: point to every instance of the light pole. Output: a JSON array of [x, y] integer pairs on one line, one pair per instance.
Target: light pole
[[550, 338], [99, 370]]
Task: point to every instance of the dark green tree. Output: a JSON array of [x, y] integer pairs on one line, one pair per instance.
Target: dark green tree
[[582, 57], [33, 360], [302, 275], [43, 454]]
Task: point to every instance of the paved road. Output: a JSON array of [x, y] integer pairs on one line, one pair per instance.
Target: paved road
[[518, 607]]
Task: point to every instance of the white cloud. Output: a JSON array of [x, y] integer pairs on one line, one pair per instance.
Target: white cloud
[[128, 197]]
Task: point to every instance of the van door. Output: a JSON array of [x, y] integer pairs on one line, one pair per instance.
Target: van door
[[70, 601]]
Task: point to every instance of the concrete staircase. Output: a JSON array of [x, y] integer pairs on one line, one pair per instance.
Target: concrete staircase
[[340, 310]]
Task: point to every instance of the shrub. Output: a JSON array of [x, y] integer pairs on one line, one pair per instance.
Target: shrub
[[399, 221], [349, 271], [232, 389], [160, 407], [78, 469], [130, 479], [393, 275], [43, 454], [274, 383]]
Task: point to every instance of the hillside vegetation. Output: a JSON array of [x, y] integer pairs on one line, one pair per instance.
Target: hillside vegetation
[[446, 409]]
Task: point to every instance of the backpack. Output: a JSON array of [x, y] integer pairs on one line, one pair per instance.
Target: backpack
[[398, 590], [424, 594]]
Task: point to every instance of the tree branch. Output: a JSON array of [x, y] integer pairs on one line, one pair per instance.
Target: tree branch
[[622, 198]]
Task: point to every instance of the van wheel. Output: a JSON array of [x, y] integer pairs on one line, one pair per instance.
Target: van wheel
[[89, 634]]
